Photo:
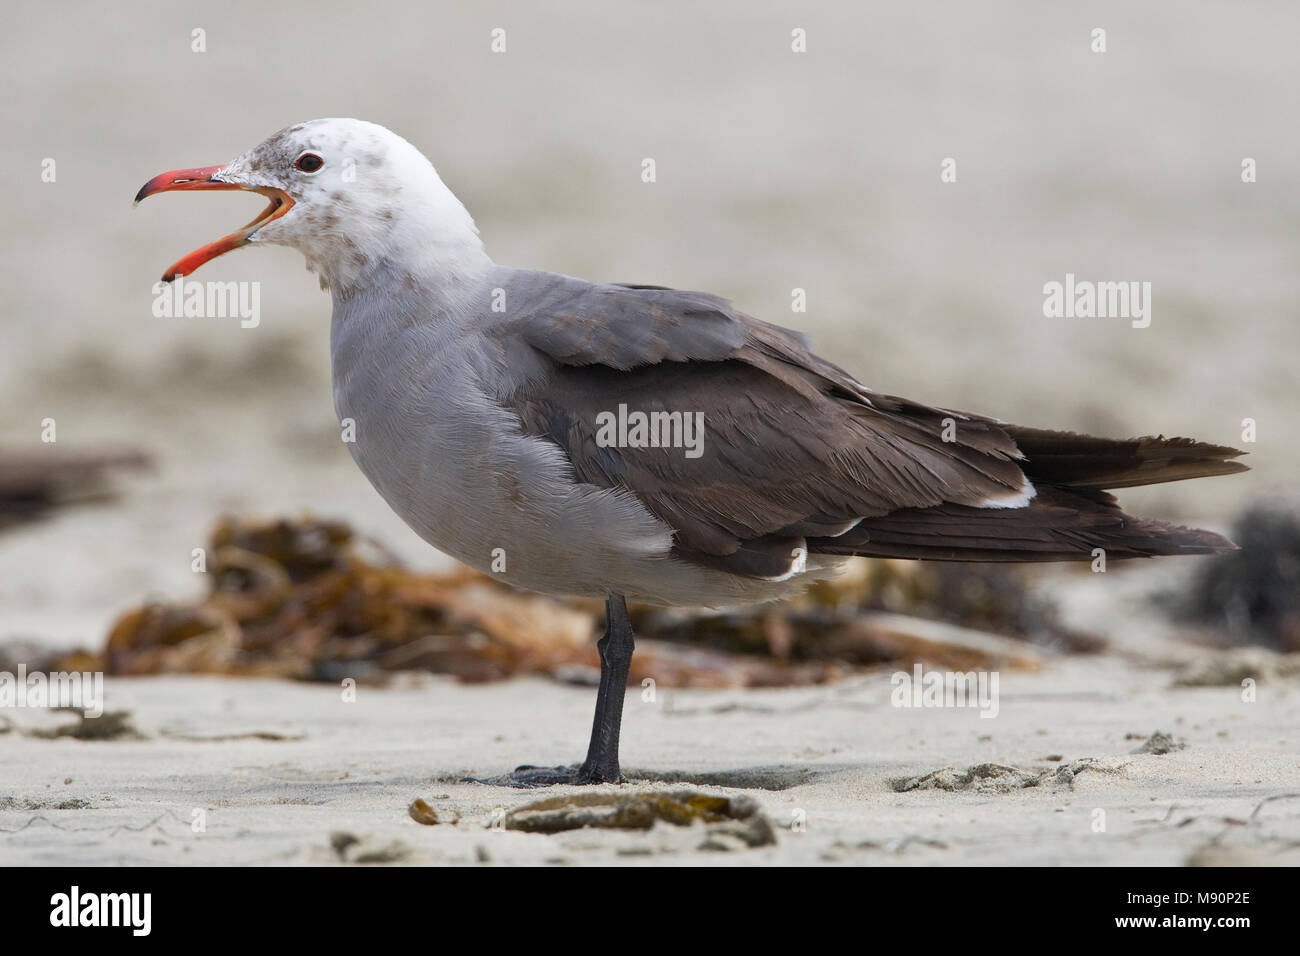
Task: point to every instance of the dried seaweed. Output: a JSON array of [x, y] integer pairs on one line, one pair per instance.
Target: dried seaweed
[[736, 817]]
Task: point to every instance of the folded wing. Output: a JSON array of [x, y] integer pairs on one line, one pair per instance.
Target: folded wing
[[797, 457]]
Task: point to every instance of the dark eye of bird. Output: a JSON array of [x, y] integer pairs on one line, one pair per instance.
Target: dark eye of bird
[[308, 163]]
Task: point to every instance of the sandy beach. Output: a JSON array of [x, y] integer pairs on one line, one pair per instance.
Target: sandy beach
[[275, 771]]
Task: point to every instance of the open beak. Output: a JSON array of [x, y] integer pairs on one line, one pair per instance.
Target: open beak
[[202, 178]]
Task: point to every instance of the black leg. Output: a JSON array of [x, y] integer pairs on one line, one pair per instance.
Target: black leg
[[616, 647], [601, 765]]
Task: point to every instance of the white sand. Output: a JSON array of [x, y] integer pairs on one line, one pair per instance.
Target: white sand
[[356, 767]]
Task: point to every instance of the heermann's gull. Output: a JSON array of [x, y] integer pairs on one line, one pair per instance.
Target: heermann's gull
[[496, 410]]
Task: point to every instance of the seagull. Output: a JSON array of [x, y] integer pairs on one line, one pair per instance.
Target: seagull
[[642, 443]]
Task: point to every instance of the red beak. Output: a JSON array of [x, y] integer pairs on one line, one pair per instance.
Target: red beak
[[202, 178]]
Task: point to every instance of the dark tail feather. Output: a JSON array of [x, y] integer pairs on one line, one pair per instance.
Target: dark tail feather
[[1058, 525], [1081, 461]]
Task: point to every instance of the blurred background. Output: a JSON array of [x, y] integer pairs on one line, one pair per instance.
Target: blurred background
[[775, 170]]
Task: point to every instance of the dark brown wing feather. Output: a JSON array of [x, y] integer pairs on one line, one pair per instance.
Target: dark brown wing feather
[[796, 450], [1082, 461], [1059, 525]]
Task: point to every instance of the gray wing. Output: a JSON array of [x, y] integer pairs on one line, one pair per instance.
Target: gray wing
[[624, 327], [793, 447]]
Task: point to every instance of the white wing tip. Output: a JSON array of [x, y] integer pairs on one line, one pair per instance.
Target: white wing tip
[[1013, 499]]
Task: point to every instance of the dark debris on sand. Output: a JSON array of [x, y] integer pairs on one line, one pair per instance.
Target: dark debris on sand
[[726, 819], [993, 599], [1252, 595], [34, 483]]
